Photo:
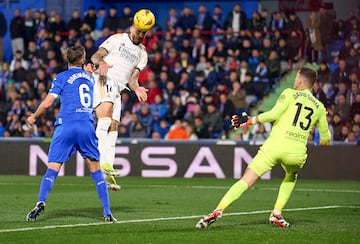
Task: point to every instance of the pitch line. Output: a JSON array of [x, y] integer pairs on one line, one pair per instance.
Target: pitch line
[[168, 218], [209, 187]]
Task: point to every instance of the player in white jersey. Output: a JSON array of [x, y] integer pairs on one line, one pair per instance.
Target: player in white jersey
[[119, 61]]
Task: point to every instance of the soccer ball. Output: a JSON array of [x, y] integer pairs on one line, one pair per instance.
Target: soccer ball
[[144, 20]]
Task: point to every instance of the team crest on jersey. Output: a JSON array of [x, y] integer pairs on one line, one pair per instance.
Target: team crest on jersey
[[139, 54], [282, 97]]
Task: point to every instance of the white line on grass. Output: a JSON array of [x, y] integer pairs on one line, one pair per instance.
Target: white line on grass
[[166, 219], [208, 187]]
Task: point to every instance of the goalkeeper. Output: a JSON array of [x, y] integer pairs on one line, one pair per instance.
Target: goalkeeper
[[294, 115]]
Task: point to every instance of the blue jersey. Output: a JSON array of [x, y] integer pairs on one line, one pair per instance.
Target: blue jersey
[[75, 88], [74, 129]]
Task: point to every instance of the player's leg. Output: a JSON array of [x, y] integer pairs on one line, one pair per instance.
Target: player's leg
[[46, 186], [104, 99], [113, 133], [87, 145], [101, 188], [292, 164], [103, 114], [260, 165], [61, 148]]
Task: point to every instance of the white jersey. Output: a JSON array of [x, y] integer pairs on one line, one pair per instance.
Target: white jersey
[[124, 56]]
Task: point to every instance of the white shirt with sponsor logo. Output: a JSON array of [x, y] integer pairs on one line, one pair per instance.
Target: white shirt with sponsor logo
[[124, 56]]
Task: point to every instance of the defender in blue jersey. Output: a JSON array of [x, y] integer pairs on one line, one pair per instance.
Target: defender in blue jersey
[[74, 130]]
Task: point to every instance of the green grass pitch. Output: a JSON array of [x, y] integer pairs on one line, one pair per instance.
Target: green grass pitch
[[166, 211]]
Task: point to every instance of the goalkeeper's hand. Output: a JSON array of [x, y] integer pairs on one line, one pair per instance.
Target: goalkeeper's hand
[[240, 121]]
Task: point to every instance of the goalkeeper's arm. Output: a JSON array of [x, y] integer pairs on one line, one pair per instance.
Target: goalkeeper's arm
[[243, 120]]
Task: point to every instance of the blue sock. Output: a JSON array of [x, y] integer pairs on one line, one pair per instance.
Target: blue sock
[[46, 184], [102, 191]]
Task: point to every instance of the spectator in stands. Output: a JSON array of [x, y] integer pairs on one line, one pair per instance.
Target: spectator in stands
[[95, 21], [112, 20], [29, 27], [138, 131], [177, 131], [171, 21], [3, 29], [318, 92], [342, 108], [18, 57], [355, 106], [354, 89], [17, 28], [237, 96], [341, 74], [187, 20], [236, 19], [91, 18], [273, 64], [277, 22], [345, 49], [352, 29], [294, 47], [217, 20], [162, 128], [176, 109], [125, 20], [314, 39], [227, 109], [213, 120], [57, 24], [204, 22], [326, 30], [158, 109], [256, 22], [261, 78], [324, 77], [352, 59], [75, 21], [106, 32]]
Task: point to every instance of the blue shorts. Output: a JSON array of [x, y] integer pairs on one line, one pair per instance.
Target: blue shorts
[[73, 136]]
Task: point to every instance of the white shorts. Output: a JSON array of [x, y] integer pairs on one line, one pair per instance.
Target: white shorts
[[110, 92]]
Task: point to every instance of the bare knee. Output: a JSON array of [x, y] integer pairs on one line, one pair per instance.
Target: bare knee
[[105, 109], [114, 125]]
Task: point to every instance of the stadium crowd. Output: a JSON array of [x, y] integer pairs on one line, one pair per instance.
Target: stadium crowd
[[203, 68]]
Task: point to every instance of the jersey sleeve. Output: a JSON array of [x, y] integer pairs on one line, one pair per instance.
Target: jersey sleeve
[[56, 86], [143, 59], [110, 43], [281, 105]]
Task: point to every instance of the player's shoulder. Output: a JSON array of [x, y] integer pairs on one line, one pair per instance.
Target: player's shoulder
[[286, 93], [142, 47], [118, 35]]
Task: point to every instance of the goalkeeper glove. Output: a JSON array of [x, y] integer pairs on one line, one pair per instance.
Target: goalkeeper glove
[[242, 121]]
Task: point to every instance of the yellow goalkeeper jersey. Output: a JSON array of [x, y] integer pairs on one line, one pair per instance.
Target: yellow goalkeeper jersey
[[294, 115]]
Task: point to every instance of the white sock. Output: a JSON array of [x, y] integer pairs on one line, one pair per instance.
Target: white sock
[[102, 128], [111, 142], [276, 212]]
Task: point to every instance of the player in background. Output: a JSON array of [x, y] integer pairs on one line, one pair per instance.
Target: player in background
[[119, 60], [74, 129], [294, 115]]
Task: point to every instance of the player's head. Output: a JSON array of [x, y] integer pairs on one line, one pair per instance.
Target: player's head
[[305, 78], [143, 21], [76, 56]]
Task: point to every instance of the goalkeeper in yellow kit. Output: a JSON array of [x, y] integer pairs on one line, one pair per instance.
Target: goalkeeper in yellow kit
[[294, 115]]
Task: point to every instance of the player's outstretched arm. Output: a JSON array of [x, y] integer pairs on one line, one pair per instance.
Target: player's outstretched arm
[[141, 92], [44, 105], [98, 60], [243, 120]]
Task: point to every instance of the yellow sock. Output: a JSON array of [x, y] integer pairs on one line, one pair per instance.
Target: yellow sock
[[285, 191], [235, 191]]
